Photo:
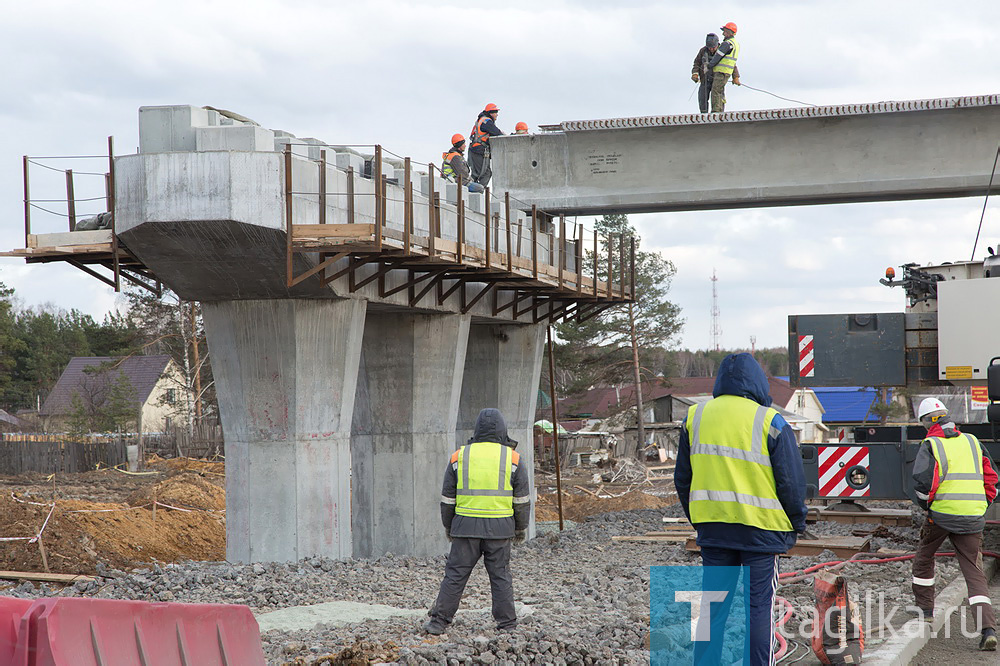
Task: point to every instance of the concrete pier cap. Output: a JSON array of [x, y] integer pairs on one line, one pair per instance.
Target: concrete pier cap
[[340, 406]]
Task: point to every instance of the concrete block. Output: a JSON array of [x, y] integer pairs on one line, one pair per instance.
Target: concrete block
[[283, 134], [234, 137], [170, 128], [348, 160], [297, 147], [315, 146], [477, 201]]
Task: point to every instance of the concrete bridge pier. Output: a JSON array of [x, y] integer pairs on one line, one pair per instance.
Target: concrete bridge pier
[[404, 430], [502, 367], [286, 372]]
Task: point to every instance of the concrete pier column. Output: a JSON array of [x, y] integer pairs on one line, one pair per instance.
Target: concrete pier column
[[502, 368], [404, 430], [286, 373]]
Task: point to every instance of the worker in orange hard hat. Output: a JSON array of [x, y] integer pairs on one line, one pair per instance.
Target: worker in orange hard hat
[[723, 65], [521, 128], [454, 166], [479, 144], [702, 73]]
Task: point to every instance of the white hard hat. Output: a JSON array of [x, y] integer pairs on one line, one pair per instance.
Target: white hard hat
[[929, 406]]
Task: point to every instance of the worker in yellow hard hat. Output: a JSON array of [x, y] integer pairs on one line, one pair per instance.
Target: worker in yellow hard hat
[[723, 65]]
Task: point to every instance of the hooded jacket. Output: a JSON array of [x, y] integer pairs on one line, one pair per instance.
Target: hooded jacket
[[741, 375], [927, 478], [489, 127], [490, 427]]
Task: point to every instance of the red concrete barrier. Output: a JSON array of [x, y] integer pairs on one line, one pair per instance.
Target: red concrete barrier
[[11, 610], [101, 632]]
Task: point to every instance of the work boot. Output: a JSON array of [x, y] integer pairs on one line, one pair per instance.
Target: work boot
[[989, 640], [434, 627], [925, 614]]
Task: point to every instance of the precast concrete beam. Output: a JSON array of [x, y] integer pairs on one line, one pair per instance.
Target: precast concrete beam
[[502, 368], [834, 154], [404, 430], [286, 373]]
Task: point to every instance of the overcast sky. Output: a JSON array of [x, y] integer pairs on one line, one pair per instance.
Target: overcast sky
[[410, 74]]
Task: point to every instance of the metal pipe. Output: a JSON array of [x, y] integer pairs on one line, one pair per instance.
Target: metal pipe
[[621, 261], [288, 215], [506, 200], [350, 195], [379, 184], [407, 205], [460, 221], [322, 187], [579, 260], [70, 200], [534, 242], [555, 428], [562, 249], [114, 235], [27, 204], [611, 267], [595, 263], [632, 276], [488, 226]]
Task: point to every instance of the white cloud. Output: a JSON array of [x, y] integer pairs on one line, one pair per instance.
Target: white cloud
[[410, 74]]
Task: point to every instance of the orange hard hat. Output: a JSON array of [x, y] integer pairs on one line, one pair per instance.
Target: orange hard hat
[[521, 126], [457, 139], [729, 26], [490, 107]]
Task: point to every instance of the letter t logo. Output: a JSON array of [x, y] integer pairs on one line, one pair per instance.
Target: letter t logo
[[700, 631]]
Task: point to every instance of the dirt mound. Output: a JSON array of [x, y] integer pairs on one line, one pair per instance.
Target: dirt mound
[[187, 490], [178, 465], [578, 507], [81, 533]]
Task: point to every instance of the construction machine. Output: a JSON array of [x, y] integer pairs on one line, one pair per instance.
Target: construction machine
[[948, 335]]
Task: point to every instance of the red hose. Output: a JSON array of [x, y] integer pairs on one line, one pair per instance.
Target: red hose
[[782, 643], [900, 558]]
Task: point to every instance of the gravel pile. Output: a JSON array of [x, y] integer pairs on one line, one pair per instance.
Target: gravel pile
[[588, 597]]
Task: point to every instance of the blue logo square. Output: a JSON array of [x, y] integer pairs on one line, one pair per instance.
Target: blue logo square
[[697, 615]]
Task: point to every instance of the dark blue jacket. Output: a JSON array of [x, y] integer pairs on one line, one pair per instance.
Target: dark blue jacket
[[740, 374]]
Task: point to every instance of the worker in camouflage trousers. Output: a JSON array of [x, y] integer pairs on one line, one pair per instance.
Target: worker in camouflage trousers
[[703, 74], [485, 507], [955, 481]]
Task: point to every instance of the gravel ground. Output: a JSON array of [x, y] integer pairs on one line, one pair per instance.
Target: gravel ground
[[589, 597]]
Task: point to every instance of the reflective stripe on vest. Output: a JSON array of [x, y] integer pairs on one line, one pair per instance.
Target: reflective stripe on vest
[[961, 491], [446, 159], [484, 480], [478, 136], [732, 480], [728, 61]]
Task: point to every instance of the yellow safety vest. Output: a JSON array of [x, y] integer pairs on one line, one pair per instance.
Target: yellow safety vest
[[484, 480], [961, 491], [732, 480], [728, 61], [446, 170]]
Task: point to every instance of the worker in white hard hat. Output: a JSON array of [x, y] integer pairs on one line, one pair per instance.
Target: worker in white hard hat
[[955, 481]]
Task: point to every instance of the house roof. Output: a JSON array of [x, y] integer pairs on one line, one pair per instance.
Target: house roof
[[846, 404], [602, 402], [143, 372]]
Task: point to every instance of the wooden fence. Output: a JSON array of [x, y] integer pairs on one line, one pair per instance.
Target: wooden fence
[[48, 457]]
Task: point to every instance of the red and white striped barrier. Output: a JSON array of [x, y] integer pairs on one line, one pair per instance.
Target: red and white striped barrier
[[834, 463], [807, 366]]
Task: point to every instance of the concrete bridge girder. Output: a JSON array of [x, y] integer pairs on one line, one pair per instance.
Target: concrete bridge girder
[[868, 152]]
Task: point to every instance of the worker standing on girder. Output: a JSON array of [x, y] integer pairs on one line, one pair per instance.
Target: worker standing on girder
[[702, 73], [453, 164], [723, 65], [485, 507], [479, 144], [955, 481], [740, 480]]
